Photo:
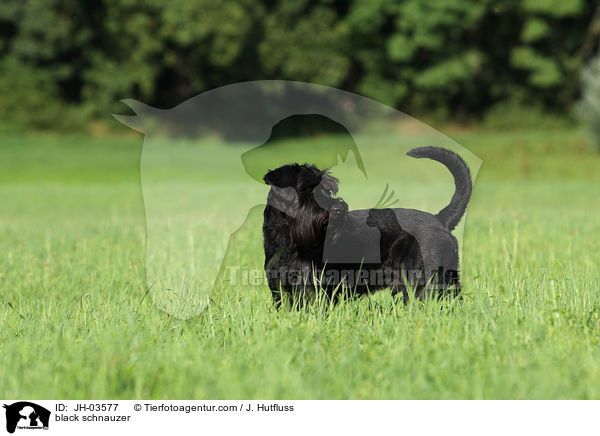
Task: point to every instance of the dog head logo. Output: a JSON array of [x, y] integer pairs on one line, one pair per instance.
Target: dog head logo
[[26, 415], [204, 162]]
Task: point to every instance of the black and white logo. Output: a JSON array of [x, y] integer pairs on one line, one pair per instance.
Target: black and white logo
[[26, 415]]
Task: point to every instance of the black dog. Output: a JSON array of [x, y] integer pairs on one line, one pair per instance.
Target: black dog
[[313, 242]]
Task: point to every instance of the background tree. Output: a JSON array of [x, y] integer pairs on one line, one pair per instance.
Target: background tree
[[66, 62]]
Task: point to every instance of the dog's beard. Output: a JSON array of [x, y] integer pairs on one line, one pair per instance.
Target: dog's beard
[[307, 203], [320, 218], [308, 227]]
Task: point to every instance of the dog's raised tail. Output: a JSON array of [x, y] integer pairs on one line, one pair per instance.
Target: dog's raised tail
[[451, 214]]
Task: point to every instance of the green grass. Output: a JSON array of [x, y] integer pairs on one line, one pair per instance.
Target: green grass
[[76, 319]]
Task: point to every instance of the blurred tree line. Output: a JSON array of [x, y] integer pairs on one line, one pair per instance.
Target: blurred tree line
[[66, 62]]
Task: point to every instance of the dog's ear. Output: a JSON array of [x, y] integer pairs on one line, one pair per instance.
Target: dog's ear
[[284, 199], [329, 183]]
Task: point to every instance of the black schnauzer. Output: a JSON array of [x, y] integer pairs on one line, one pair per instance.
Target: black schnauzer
[[312, 241]]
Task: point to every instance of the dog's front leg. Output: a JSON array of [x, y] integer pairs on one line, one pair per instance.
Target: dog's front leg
[[277, 300], [400, 290]]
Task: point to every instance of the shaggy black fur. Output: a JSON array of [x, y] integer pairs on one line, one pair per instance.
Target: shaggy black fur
[[312, 241]]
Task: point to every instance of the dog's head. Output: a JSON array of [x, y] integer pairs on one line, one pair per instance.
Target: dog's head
[[305, 194]]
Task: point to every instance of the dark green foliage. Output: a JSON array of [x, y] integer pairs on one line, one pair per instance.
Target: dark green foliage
[[66, 61]]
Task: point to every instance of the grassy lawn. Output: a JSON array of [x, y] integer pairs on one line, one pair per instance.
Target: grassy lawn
[[77, 320]]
